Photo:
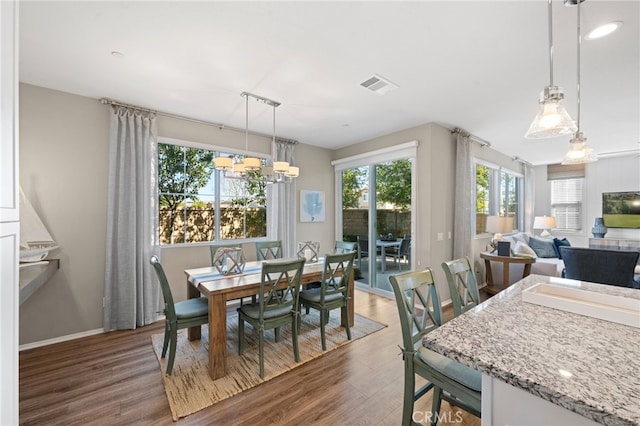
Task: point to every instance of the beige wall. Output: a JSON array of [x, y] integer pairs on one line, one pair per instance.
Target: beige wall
[[63, 172]]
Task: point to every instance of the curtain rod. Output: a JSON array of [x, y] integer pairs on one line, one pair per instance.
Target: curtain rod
[[462, 132], [105, 101], [516, 158]]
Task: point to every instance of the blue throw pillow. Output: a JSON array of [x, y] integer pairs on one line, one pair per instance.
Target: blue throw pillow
[[560, 243], [543, 247]]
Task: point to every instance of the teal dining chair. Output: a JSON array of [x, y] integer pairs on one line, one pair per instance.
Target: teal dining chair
[[268, 250], [463, 287], [277, 305], [333, 292], [185, 314], [419, 309]]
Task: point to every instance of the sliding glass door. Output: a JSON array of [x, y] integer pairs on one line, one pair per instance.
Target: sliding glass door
[[375, 210]]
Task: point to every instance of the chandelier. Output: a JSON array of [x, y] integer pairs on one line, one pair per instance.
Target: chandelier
[[251, 168]]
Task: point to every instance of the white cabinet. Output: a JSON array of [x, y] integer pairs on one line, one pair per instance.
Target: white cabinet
[[505, 405], [9, 214]]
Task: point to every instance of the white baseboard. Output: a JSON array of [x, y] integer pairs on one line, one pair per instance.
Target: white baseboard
[[60, 339]]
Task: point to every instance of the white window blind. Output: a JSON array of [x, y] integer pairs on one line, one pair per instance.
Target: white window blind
[[566, 203]]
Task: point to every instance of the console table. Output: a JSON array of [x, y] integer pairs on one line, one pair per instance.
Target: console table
[[614, 244], [491, 288]]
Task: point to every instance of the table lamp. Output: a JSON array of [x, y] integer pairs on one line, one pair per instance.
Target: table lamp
[[498, 225], [545, 223]]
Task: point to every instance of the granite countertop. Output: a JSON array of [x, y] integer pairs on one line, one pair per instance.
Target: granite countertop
[[586, 365]]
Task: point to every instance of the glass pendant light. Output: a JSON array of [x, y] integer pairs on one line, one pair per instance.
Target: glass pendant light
[[579, 152], [552, 119]]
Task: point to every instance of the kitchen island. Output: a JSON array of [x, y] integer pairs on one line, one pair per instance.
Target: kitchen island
[[547, 366]]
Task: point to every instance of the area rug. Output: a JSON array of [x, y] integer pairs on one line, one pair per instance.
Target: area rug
[[190, 389]]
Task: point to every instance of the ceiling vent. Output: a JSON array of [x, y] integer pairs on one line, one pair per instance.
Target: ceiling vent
[[378, 85]]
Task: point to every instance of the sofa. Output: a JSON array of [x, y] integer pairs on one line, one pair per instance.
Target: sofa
[[613, 267], [548, 254], [548, 261]]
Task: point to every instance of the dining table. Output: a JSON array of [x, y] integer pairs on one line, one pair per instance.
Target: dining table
[[219, 289], [551, 351]]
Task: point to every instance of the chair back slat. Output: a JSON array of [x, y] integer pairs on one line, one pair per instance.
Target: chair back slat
[[268, 250], [462, 285], [336, 274], [418, 305], [169, 306], [280, 285]]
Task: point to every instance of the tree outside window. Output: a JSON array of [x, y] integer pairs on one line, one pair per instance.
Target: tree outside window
[[197, 204], [498, 193]]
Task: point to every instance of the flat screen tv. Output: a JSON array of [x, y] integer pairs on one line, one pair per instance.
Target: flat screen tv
[[621, 209]]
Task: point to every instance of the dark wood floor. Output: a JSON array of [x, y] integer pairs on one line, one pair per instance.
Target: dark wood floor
[[114, 379]]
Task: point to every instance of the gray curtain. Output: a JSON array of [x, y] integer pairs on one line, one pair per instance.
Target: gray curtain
[[132, 295], [463, 199], [529, 197], [281, 203]]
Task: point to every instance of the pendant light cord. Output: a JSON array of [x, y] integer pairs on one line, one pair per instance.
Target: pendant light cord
[[246, 125], [578, 86], [550, 44]]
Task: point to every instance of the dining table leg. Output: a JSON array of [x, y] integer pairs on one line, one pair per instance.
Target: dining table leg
[[350, 306], [193, 333], [217, 336]]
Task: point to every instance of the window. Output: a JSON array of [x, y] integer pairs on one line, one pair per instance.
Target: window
[[566, 203], [198, 204], [566, 184], [498, 192]]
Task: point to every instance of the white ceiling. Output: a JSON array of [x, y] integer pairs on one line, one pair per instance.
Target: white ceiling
[[478, 65]]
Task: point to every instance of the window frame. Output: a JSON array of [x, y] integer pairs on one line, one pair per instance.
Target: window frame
[[217, 188], [495, 195]]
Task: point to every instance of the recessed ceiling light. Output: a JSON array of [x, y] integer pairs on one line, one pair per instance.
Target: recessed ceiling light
[[603, 30]]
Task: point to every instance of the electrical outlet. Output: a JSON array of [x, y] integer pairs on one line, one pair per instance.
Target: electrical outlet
[[440, 236]]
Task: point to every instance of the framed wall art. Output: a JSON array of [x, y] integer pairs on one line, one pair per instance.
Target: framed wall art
[[312, 207]]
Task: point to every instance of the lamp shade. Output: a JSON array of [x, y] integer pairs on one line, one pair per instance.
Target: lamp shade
[[552, 120], [280, 166], [499, 224], [293, 172], [223, 163], [544, 222]]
